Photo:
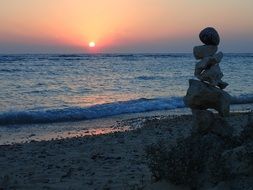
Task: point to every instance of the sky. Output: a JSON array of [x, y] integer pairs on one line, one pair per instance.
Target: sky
[[122, 26]]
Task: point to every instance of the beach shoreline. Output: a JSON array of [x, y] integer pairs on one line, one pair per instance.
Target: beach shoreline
[[13, 134], [110, 161]]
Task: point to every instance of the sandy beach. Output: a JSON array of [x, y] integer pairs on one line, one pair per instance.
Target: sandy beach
[[111, 161]]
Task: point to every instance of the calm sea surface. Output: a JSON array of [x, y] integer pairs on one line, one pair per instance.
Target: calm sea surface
[[52, 88]]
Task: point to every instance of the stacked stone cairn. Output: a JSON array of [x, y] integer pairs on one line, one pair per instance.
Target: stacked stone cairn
[[208, 91], [213, 156], [208, 69]]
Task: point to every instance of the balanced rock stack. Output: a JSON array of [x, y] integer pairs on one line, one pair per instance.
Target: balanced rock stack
[[211, 157], [208, 69], [207, 92]]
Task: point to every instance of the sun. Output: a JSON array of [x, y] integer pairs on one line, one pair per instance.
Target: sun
[[92, 44]]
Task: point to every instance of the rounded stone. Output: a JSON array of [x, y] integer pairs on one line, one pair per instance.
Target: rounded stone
[[209, 36]]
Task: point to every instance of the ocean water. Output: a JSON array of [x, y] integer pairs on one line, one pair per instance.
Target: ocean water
[[57, 88]]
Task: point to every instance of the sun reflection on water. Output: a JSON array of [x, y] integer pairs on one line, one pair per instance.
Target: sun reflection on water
[[86, 101]]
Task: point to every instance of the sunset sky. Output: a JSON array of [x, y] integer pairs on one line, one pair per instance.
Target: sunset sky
[[122, 26]]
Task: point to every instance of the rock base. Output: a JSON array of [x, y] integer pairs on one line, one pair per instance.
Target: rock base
[[206, 159], [202, 96]]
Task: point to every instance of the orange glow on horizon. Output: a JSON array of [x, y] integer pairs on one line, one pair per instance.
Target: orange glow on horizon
[[119, 25]]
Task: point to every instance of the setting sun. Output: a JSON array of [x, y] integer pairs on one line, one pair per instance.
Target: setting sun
[[92, 44]]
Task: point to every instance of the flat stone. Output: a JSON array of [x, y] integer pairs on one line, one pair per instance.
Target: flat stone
[[200, 52], [202, 96], [209, 36]]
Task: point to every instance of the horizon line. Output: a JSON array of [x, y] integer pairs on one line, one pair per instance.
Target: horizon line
[[97, 53]]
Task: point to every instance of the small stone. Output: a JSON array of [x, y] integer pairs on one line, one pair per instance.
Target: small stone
[[202, 96], [204, 51], [209, 36], [206, 63], [216, 58], [212, 75]]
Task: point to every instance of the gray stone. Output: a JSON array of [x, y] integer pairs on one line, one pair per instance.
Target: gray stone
[[216, 58], [201, 52], [206, 63], [209, 36], [212, 76], [208, 69], [202, 96]]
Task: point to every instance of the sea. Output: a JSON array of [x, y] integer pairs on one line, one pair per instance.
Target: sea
[[56, 88]]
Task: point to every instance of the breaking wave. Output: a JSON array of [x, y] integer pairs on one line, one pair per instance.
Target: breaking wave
[[99, 111]]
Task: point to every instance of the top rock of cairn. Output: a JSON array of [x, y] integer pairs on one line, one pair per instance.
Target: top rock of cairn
[[209, 36]]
